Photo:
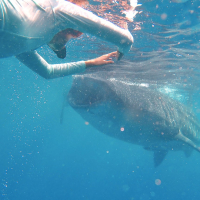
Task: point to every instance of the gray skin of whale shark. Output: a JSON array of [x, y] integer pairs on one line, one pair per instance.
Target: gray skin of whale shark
[[149, 118], [27, 25]]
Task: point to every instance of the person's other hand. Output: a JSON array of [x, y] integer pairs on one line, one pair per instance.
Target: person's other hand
[[102, 60]]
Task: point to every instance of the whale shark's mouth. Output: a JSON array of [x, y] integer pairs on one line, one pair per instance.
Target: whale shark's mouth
[[83, 98], [84, 102]]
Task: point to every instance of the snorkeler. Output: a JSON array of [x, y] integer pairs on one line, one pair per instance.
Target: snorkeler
[[27, 25]]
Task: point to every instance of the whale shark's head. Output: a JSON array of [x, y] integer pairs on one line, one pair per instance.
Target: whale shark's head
[[86, 93]]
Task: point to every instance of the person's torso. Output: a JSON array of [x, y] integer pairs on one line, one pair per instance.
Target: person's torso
[[24, 25]]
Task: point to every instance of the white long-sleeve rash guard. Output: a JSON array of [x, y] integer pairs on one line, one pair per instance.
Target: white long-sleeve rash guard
[[48, 71]]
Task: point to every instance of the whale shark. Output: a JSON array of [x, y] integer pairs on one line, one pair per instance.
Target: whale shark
[[27, 25], [135, 113]]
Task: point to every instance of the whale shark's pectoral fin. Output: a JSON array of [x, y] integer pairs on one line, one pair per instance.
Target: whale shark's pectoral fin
[[159, 156], [62, 114], [186, 140], [62, 111]]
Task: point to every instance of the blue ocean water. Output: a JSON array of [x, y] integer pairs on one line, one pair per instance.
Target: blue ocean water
[[43, 159]]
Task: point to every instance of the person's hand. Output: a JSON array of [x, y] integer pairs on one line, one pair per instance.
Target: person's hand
[[102, 60]]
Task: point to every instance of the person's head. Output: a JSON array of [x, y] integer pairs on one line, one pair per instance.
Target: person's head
[[58, 42]]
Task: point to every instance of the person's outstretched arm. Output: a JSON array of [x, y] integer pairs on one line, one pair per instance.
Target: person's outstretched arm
[[49, 71]]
